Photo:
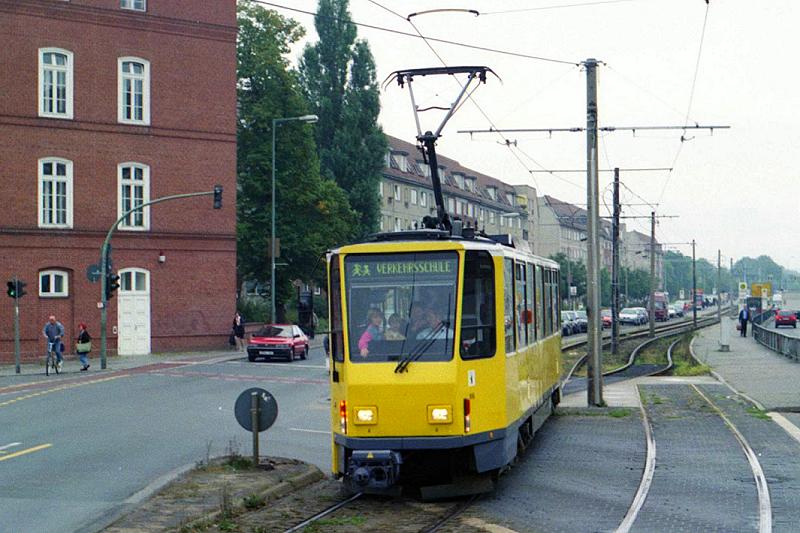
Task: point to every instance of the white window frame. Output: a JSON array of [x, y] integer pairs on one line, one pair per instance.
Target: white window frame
[[133, 272], [64, 293], [397, 192], [380, 189], [68, 114], [121, 77], [423, 199], [413, 196], [131, 4], [145, 195], [40, 190]]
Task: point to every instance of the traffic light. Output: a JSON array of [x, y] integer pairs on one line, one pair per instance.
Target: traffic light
[[217, 196], [16, 288], [112, 284]]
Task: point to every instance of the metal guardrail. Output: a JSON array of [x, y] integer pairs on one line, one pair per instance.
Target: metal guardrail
[[774, 340]]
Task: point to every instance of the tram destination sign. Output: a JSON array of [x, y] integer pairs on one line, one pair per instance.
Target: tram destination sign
[[402, 268]]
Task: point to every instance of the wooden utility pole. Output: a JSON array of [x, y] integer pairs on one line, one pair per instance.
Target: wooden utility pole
[[615, 268], [651, 306], [694, 287]]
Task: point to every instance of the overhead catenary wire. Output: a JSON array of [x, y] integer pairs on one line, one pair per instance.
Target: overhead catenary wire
[[469, 96], [691, 100], [547, 8], [435, 39]]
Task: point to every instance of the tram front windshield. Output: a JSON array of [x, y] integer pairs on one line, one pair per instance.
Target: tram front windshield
[[401, 306]]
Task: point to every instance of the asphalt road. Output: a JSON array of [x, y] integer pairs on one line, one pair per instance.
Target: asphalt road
[[77, 449]]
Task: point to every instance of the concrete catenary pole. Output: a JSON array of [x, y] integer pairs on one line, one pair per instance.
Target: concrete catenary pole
[[594, 344], [651, 306], [615, 268], [694, 287]]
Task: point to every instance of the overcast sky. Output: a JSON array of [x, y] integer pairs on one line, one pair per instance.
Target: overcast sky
[[736, 190]]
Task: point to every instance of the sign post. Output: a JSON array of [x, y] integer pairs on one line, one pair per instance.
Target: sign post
[[256, 410]]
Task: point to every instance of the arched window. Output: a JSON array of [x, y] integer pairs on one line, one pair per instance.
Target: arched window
[[134, 280], [53, 284], [134, 91], [55, 193], [134, 190], [55, 83]]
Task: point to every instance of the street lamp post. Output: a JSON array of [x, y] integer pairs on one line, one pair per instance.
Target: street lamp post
[[309, 119]]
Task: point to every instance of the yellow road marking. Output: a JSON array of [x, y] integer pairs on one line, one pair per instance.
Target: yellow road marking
[[56, 389], [25, 451]]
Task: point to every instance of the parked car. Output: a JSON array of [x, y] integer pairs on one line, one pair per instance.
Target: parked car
[[785, 317], [630, 315], [286, 341], [582, 320], [672, 311], [678, 309], [643, 316], [568, 325], [605, 318]]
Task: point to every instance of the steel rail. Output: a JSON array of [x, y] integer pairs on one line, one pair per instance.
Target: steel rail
[[455, 511], [333, 508]]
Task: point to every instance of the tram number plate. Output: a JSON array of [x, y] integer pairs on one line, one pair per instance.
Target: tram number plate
[[265, 352]]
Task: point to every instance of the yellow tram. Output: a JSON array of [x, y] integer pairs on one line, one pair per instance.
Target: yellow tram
[[445, 353]]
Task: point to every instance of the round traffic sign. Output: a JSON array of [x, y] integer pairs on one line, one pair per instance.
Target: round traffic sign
[[267, 409], [93, 273]]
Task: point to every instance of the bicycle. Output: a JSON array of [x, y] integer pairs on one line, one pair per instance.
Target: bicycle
[[51, 359]]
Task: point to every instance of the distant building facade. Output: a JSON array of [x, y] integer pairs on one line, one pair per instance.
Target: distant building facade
[[113, 103], [406, 193]]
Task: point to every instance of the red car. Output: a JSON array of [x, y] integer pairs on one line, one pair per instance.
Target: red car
[[785, 318], [278, 340], [605, 316]]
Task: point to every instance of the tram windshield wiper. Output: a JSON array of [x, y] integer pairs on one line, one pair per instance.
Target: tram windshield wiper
[[420, 348]]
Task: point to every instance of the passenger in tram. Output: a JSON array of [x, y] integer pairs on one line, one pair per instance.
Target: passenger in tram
[[373, 331], [435, 329], [392, 333], [417, 320]]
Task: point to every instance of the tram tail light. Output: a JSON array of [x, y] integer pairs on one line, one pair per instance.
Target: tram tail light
[[343, 416], [467, 413]]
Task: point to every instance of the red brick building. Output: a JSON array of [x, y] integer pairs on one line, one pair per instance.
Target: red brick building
[[105, 104]]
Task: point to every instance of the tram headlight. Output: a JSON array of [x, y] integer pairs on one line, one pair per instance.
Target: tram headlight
[[366, 415], [440, 414]]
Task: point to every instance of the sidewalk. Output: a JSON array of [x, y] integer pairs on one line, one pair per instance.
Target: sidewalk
[[765, 376], [125, 362]]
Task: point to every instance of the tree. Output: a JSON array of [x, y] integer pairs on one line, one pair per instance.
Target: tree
[[578, 271], [338, 76], [313, 214]]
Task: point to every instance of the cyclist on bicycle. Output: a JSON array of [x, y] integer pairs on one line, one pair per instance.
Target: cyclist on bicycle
[[54, 331]]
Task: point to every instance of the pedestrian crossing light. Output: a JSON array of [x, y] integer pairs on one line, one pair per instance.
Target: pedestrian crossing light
[[217, 196], [16, 288], [112, 284]]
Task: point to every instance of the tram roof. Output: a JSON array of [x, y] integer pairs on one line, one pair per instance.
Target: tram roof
[[433, 239]]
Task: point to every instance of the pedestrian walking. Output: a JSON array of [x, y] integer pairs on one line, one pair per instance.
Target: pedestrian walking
[[83, 345], [53, 331], [238, 331], [744, 316]]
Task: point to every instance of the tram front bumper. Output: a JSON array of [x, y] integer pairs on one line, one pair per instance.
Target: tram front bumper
[[373, 469]]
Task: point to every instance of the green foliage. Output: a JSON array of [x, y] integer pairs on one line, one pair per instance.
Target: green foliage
[[313, 214], [254, 309], [253, 502], [339, 80]]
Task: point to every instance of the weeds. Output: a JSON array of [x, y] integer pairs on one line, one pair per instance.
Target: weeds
[[253, 502], [755, 412]]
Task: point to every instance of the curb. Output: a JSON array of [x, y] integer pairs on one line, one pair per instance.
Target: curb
[[311, 475]]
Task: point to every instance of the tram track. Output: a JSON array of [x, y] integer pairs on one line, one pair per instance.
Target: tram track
[[440, 518], [664, 331]]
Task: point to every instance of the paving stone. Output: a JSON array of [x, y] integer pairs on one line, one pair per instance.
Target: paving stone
[[702, 480], [778, 453], [580, 474]]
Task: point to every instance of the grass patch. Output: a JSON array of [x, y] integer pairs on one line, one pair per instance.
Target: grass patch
[[253, 502], [343, 521], [619, 413], [755, 412], [683, 362]]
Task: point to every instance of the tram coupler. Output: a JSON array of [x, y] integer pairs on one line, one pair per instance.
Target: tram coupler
[[376, 470]]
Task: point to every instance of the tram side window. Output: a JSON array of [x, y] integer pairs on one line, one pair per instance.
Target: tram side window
[[478, 325], [557, 297], [521, 307], [530, 327], [548, 300], [540, 323], [335, 291], [508, 300]]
